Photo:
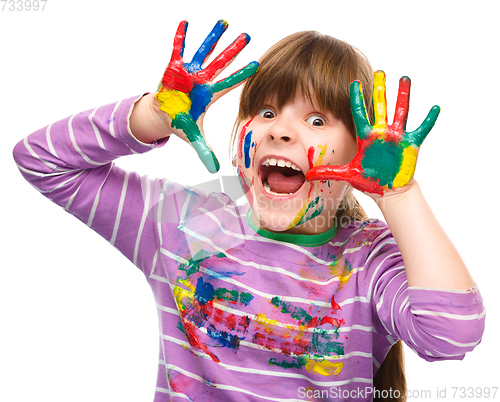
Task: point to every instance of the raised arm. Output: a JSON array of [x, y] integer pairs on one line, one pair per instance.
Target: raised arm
[[383, 168], [70, 161]]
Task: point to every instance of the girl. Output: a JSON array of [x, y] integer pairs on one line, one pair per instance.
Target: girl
[[297, 296]]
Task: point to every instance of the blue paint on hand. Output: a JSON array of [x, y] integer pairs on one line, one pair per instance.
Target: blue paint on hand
[[200, 96], [206, 47]]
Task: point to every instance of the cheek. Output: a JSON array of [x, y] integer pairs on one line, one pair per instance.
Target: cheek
[[347, 150], [330, 189], [246, 145], [333, 153], [244, 159]]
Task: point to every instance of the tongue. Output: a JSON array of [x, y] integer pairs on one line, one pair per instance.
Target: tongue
[[282, 184]]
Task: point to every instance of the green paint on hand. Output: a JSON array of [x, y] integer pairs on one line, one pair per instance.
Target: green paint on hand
[[382, 161], [183, 122], [237, 77]]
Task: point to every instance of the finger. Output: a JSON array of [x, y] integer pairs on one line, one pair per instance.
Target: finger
[[379, 99], [179, 41], [358, 111], [197, 140], [207, 46], [402, 105], [225, 58], [329, 172], [236, 78], [418, 136]]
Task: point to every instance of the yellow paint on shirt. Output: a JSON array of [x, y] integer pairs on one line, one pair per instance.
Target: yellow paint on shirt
[[325, 367], [262, 319], [407, 168], [341, 272], [173, 102], [181, 293]]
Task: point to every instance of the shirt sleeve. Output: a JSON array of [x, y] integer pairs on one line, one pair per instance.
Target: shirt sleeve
[[71, 163], [437, 324]]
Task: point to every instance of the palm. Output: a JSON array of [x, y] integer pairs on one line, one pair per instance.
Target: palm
[[186, 89], [386, 154]]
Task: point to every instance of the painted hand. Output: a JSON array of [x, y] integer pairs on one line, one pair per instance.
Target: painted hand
[[186, 90], [386, 154]]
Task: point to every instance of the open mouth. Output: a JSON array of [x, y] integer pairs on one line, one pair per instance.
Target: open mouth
[[280, 177]]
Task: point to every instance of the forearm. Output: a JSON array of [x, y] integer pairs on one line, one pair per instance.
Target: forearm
[[147, 123], [431, 260]]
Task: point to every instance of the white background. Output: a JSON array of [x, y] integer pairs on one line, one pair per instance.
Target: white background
[[78, 321]]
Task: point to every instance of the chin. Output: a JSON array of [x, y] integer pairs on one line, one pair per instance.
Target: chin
[[280, 213], [273, 221]]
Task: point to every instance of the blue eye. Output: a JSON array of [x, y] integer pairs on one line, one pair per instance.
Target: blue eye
[[316, 121], [267, 113]]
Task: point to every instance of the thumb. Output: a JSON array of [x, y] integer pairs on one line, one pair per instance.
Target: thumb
[[329, 172], [193, 134]]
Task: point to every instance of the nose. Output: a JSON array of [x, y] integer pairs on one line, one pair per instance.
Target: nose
[[284, 138], [282, 131]]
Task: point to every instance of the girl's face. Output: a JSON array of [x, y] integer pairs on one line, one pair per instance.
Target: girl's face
[[275, 149]]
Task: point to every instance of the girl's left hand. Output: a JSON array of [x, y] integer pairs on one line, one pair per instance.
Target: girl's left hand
[[386, 154]]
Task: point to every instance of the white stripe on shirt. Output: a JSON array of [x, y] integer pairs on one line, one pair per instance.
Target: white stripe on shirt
[[120, 208]]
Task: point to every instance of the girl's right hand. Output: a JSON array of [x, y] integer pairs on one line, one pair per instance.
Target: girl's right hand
[[186, 90]]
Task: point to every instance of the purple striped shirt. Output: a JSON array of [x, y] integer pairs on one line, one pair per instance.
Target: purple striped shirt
[[245, 314]]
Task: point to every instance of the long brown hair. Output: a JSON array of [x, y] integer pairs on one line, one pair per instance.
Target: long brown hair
[[321, 68]]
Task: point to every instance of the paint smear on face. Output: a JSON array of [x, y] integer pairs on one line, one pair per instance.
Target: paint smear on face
[[301, 217], [241, 139], [310, 157], [322, 153], [246, 149]]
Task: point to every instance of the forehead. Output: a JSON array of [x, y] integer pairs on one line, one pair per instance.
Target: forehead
[[306, 99]]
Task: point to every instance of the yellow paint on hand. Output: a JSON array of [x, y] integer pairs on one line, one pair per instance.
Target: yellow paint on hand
[[379, 103], [325, 367], [173, 102], [407, 168]]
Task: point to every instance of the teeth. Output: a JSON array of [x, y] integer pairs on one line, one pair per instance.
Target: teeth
[[280, 163]]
